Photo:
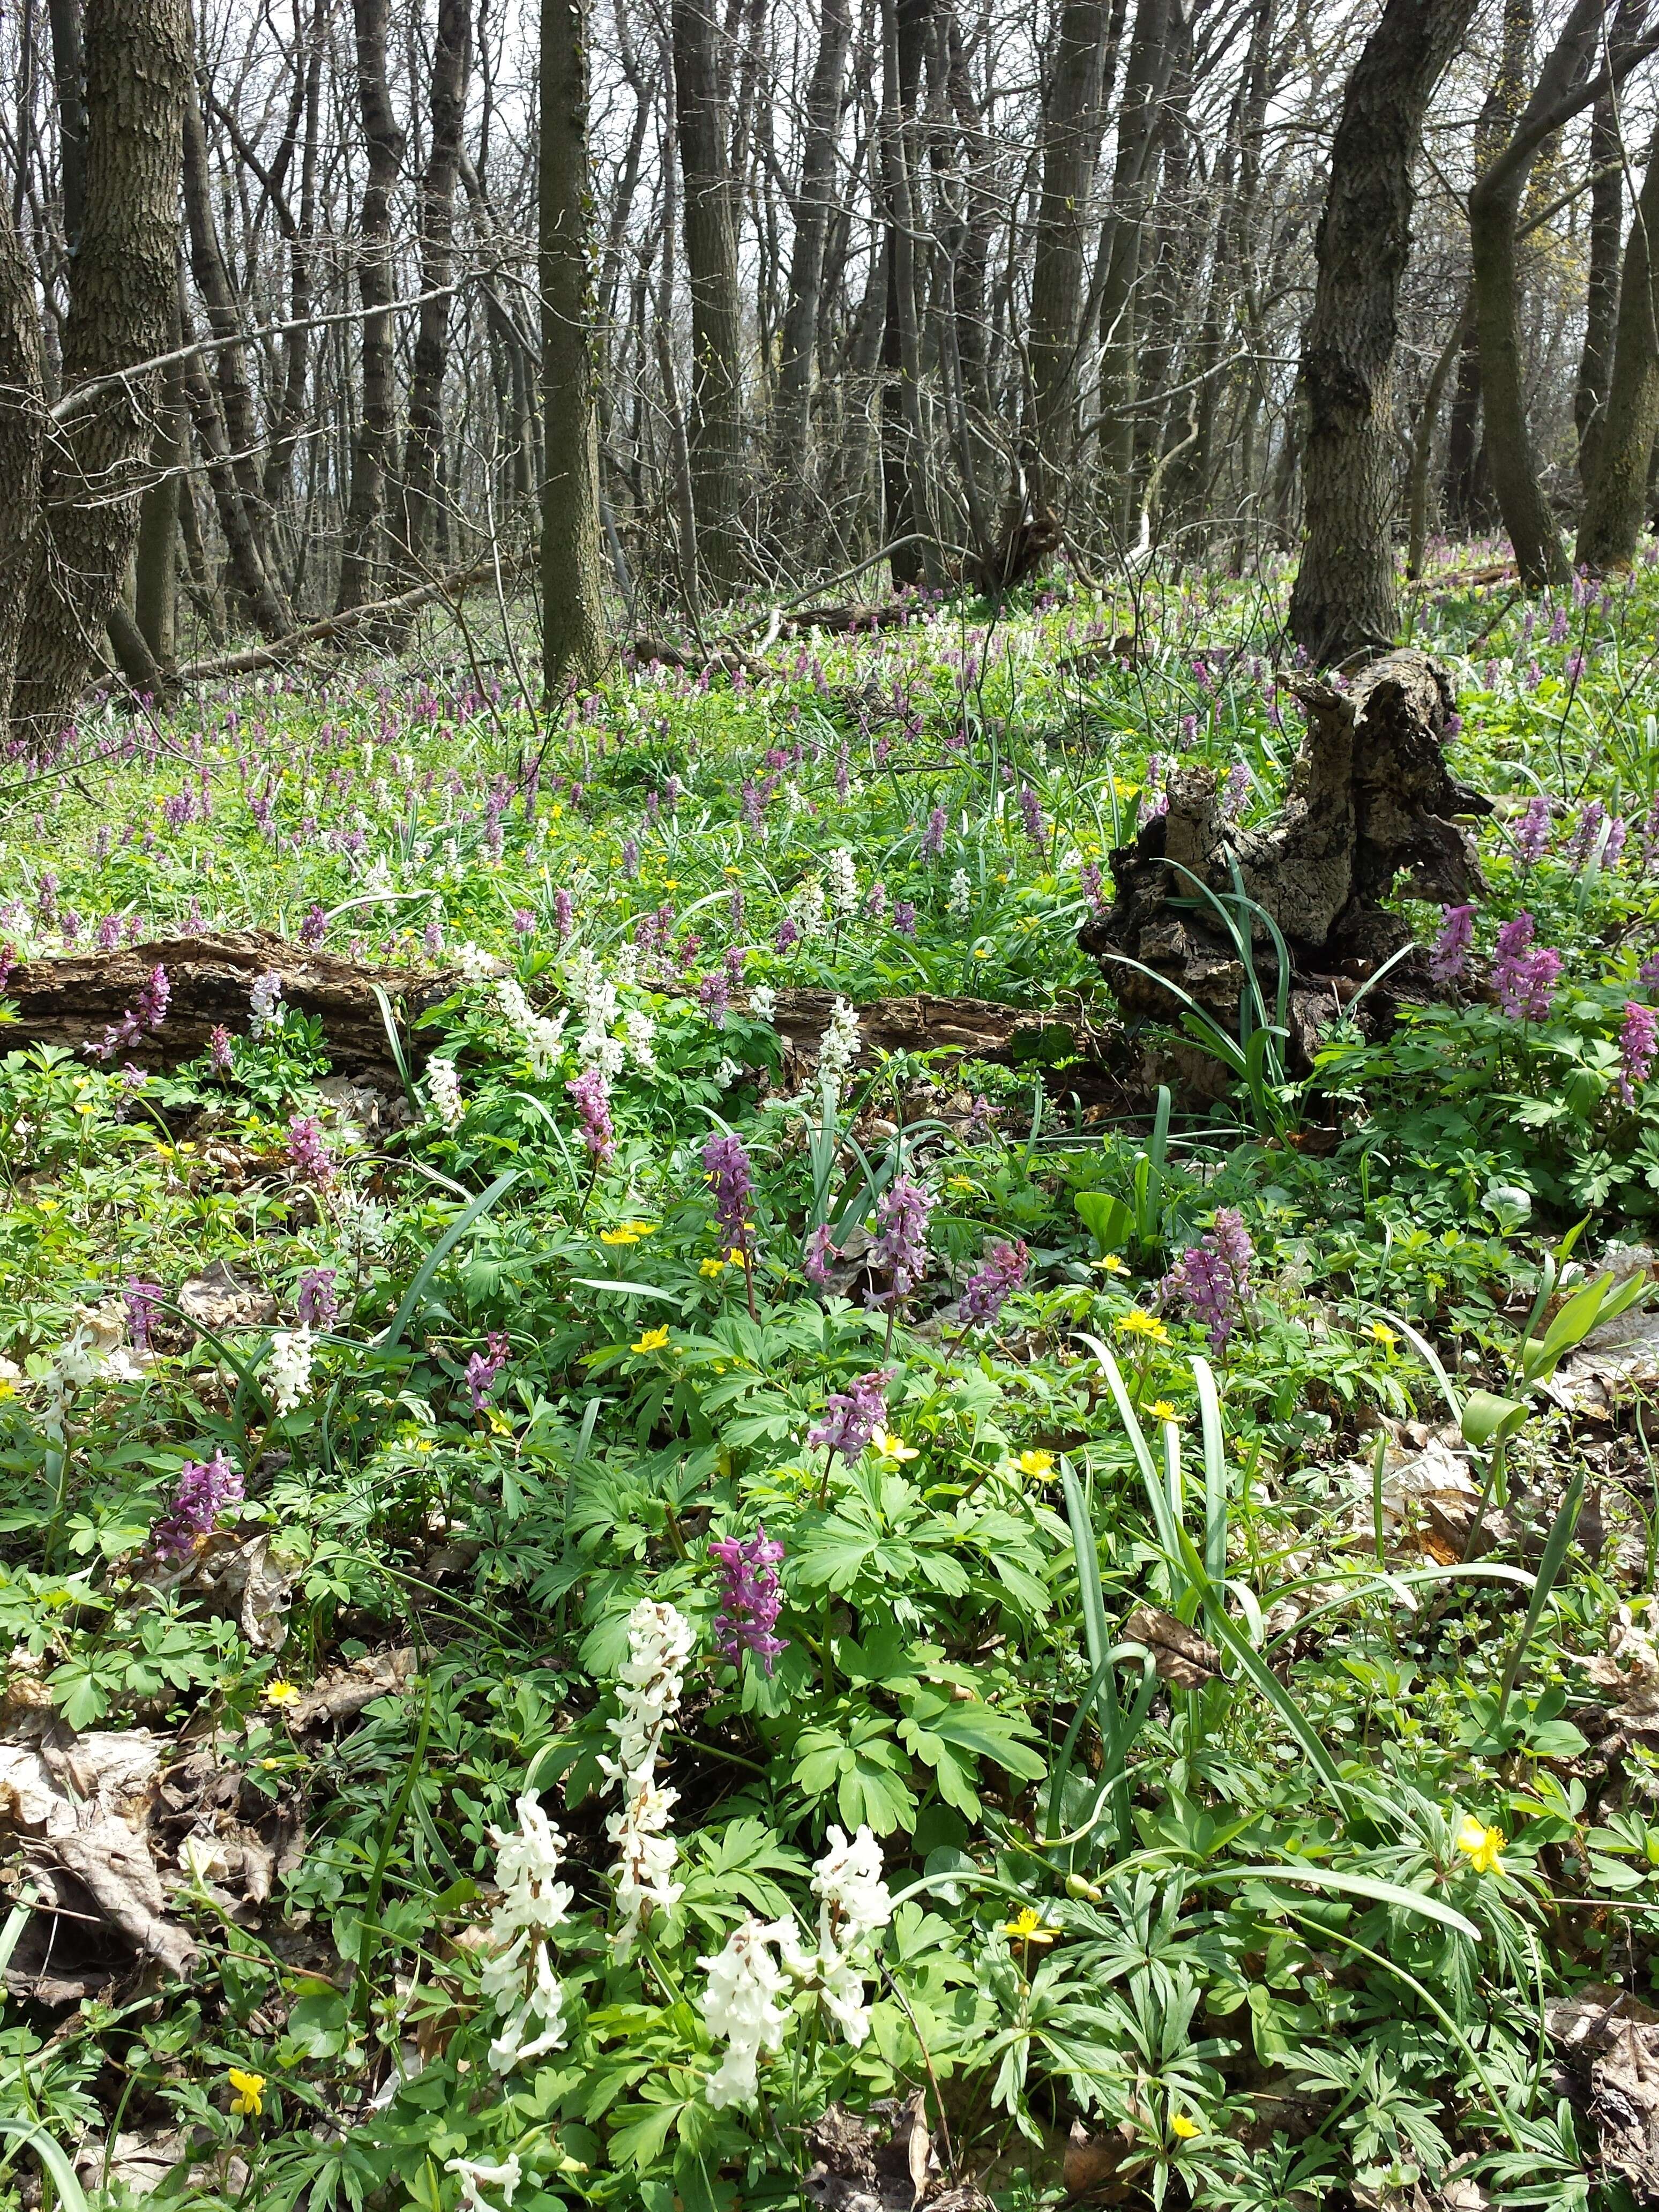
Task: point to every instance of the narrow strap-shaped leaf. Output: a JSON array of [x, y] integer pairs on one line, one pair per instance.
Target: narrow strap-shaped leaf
[[440, 1251]]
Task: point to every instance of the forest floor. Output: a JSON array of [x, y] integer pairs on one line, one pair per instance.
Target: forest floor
[[1071, 1646]]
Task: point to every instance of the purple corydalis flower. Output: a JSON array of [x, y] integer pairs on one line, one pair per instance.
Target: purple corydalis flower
[[564, 914], [714, 996], [318, 1304], [200, 1494], [932, 838], [314, 927], [1030, 814], [1450, 955], [851, 1417], [1212, 1278], [902, 1215], [308, 1148], [820, 1250], [1637, 1040], [750, 1597], [483, 1367], [592, 1095], [1534, 832], [1235, 792], [1586, 835], [524, 922], [1524, 975], [904, 917], [1089, 876], [988, 1290], [142, 1300], [730, 1185], [154, 998], [219, 1052], [262, 999]]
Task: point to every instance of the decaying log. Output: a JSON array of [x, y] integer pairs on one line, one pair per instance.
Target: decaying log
[[977, 1029], [1370, 800], [73, 1000]]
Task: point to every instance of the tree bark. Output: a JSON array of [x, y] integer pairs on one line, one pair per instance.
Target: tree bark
[[791, 460], [1344, 598], [1613, 511], [1589, 399], [423, 445], [711, 263], [573, 622], [366, 515], [905, 475], [1070, 145], [121, 307], [155, 568], [1564, 89], [23, 414]]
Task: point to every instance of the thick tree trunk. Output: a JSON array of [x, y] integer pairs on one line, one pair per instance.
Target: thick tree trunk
[[1344, 598], [155, 567], [1613, 510], [1071, 146], [121, 308], [572, 636], [366, 516], [711, 263], [423, 445]]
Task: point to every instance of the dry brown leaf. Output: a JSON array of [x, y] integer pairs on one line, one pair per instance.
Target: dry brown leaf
[[218, 1298], [343, 1695], [1619, 1359], [1612, 2040], [1179, 1653]]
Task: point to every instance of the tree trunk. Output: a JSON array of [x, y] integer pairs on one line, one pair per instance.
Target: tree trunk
[[423, 445], [156, 568], [1602, 297], [69, 72], [903, 449], [1343, 600], [121, 308], [711, 263], [365, 517], [22, 412], [791, 420], [572, 641], [1565, 88], [1071, 144], [1613, 511]]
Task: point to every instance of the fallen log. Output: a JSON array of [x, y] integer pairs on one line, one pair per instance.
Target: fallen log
[[1370, 800], [74, 1000]]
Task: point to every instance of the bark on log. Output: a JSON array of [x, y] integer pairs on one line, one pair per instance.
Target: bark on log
[[1370, 800], [73, 1000], [978, 1028]]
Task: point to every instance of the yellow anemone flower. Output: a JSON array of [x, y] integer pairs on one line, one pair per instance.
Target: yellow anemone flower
[[1029, 1926], [1036, 1464], [249, 2091], [1162, 1410], [1137, 1323], [893, 1448], [619, 1236], [712, 1267], [1113, 1264], [1482, 1846], [653, 1339], [280, 1693], [1181, 2125], [1384, 1335]]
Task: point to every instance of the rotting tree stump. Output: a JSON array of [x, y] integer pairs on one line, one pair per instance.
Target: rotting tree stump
[[73, 1000], [1370, 800]]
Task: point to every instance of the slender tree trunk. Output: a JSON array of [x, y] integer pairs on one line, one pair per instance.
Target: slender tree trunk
[[121, 306], [711, 263], [1601, 298], [1565, 88], [1070, 145], [905, 473], [365, 516], [1417, 529], [22, 413], [155, 566], [1613, 510], [70, 71], [573, 638], [1344, 598], [423, 444], [790, 459]]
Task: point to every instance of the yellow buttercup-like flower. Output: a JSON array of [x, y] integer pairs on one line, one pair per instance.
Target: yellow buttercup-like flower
[[1181, 2125], [1113, 1264], [712, 1267], [1384, 1335], [962, 1183], [1029, 1926], [1137, 1323], [281, 1693], [1482, 1846], [249, 2091], [893, 1448], [1037, 1464], [1162, 1410], [8, 1390], [619, 1236], [653, 1339]]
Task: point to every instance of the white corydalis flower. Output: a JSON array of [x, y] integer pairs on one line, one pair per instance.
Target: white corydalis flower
[[842, 883], [744, 1981], [540, 1036], [649, 1687], [763, 1002], [288, 1369], [519, 1979], [839, 1046], [477, 2174], [960, 896], [444, 1086]]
